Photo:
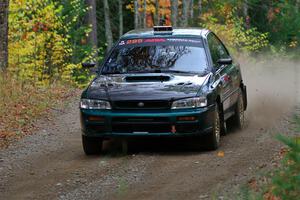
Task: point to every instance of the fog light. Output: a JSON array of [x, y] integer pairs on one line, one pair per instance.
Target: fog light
[[186, 118], [96, 118]]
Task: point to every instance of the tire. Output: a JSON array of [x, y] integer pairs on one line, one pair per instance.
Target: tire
[[238, 120], [213, 138], [223, 123], [91, 146]]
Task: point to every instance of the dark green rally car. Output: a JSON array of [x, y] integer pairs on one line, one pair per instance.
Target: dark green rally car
[[163, 82]]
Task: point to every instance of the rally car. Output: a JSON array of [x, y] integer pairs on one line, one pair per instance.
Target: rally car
[[163, 82]]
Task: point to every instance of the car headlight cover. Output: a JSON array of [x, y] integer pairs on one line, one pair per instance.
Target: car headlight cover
[[94, 104], [196, 102]]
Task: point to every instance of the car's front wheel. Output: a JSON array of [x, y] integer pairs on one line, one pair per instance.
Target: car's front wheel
[[91, 146], [213, 138]]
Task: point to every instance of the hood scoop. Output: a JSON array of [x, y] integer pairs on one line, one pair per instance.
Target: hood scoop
[[147, 78]]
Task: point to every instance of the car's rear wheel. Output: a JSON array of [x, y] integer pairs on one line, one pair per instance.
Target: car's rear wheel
[[91, 146], [238, 120], [213, 138]]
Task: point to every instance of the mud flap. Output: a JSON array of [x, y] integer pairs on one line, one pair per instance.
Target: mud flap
[[244, 90]]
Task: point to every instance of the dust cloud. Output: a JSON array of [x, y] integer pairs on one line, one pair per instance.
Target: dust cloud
[[273, 90]]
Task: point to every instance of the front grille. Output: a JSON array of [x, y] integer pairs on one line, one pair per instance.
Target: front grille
[[141, 128], [120, 105], [150, 125], [137, 120], [141, 124]]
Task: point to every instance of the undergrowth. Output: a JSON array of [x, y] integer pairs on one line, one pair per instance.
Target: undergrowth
[[282, 183], [22, 103]]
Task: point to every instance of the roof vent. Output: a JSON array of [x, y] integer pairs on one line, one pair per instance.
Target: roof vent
[[158, 30]]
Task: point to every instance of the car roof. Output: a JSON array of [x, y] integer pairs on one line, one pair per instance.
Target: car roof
[[177, 32]]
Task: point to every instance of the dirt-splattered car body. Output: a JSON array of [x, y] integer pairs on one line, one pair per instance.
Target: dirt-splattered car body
[[163, 82]]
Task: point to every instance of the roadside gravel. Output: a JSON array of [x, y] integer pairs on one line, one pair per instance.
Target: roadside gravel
[[50, 164]]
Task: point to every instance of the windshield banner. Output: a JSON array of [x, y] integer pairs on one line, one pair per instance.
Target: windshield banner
[[161, 41]]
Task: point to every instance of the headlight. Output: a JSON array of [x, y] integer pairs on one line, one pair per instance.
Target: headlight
[[196, 102], [94, 104]]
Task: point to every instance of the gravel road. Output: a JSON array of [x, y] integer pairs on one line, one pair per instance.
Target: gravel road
[[50, 164]]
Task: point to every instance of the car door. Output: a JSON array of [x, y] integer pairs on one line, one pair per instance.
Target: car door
[[224, 73]]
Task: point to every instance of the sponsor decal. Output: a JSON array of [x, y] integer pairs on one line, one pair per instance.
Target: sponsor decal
[[154, 40], [158, 40], [135, 41], [183, 40], [122, 43]]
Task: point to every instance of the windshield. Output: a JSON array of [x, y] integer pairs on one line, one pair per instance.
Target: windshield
[[159, 56]]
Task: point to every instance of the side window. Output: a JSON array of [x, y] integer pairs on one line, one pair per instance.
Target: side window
[[217, 49]]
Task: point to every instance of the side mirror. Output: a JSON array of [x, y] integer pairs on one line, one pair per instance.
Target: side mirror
[[88, 65], [225, 61]]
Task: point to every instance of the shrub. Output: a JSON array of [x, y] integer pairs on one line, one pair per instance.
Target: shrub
[[232, 31], [47, 41], [286, 182]]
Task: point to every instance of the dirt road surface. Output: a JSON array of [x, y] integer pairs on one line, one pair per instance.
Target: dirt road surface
[[51, 164]]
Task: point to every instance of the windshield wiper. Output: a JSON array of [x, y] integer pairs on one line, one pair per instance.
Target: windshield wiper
[[152, 71], [115, 72], [176, 71]]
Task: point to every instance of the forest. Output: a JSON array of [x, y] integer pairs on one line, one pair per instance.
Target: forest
[[43, 44], [46, 41]]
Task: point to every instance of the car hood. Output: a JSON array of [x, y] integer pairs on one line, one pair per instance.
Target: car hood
[[145, 86]]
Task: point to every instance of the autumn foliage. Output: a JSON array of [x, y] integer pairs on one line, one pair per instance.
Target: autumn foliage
[[42, 42]]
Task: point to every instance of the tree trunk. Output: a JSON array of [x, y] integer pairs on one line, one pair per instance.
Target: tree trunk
[[192, 9], [4, 6], [245, 8], [145, 13], [120, 18], [185, 11], [136, 14], [92, 20], [174, 12], [157, 16], [162, 20], [246, 13], [199, 8], [108, 32]]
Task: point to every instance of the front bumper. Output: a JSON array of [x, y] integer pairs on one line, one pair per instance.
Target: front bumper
[[143, 123]]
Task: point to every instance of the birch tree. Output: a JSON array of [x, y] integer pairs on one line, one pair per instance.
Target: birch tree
[[174, 12], [4, 5], [108, 32]]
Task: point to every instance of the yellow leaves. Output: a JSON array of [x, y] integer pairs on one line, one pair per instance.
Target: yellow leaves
[[293, 44], [22, 105], [270, 196], [233, 32], [37, 47], [221, 154]]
